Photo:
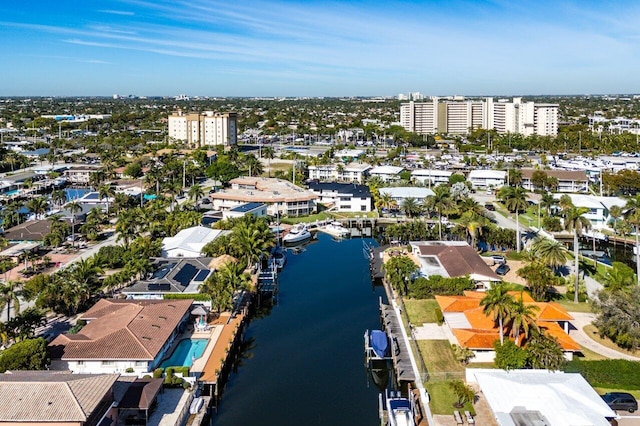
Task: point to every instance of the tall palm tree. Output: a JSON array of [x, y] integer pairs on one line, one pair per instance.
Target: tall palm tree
[[550, 252], [574, 221], [58, 197], [547, 201], [386, 201], [440, 202], [498, 302], [522, 316], [632, 215], [105, 192], [473, 223], [8, 296], [515, 199], [195, 193], [252, 239], [38, 206], [268, 153], [616, 213], [74, 207]]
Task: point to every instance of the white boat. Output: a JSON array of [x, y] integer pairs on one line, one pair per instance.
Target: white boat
[[399, 410], [297, 233], [337, 230], [196, 405]]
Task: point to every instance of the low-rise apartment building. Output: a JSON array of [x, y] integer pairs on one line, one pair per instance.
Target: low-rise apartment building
[[343, 197]]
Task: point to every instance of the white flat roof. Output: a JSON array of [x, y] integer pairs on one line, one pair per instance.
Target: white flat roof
[[407, 192], [564, 399]]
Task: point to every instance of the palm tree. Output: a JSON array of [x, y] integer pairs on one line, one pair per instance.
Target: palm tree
[[106, 192], [632, 215], [268, 153], [473, 223], [547, 201], [550, 252], [515, 199], [195, 193], [252, 239], [574, 221], [498, 302], [410, 206], [515, 177], [73, 207], [522, 316], [38, 206], [8, 296], [616, 213], [58, 197], [441, 202], [386, 201]]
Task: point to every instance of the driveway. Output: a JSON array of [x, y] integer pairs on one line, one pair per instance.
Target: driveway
[[581, 319]]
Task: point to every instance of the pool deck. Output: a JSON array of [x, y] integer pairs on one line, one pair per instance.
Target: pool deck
[[219, 351]]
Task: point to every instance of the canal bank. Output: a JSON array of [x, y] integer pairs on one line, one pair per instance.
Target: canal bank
[[303, 360]]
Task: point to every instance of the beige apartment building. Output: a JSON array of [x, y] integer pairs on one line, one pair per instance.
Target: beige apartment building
[[204, 129], [459, 115]]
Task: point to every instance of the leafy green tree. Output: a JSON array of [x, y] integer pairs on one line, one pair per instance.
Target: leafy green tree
[[575, 222], [510, 356], [618, 316], [398, 271], [133, 170], [540, 279], [38, 206], [618, 277], [499, 303], [30, 354], [464, 393], [632, 215], [223, 170]]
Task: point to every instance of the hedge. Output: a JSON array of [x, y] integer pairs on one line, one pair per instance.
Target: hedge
[[195, 296], [610, 373]]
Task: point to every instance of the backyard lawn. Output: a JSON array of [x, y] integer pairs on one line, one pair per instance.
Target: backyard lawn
[[421, 311], [442, 399], [570, 306], [439, 359]]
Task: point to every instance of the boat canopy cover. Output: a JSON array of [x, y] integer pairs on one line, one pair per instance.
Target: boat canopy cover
[[379, 343]]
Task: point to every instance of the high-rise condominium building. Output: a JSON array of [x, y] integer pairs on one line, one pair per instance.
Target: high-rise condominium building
[[204, 129], [458, 116]]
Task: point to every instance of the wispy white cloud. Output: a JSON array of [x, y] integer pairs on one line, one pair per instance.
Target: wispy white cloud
[[117, 12]]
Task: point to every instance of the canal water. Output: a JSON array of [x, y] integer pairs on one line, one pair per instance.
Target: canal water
[[306, 360]]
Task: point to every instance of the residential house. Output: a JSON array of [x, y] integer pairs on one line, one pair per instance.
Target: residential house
[[453, 259], [540, 397], [475, 330], [279, 195], [56, 398], [121, 336], [568, 180], [431, 176], [598, 207], [171, 276], [255, 209], [487, 179], [343, 197], [80, 175], [386, 173], [401, 193], [353, 172], [189, 242]]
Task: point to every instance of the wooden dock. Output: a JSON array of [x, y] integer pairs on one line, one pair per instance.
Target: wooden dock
[[399, 350]]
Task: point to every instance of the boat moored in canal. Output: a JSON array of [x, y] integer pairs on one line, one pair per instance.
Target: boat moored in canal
[[297, 234], [400, 411]]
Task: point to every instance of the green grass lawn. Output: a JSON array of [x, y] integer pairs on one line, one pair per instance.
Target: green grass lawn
[[421, 311], [589, 355], [442, 399], [602, 391], [307, 219], [593, 333], [438, 357], [570, 306]]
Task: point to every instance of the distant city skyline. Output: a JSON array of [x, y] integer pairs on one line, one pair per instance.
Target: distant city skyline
[[317, 48]]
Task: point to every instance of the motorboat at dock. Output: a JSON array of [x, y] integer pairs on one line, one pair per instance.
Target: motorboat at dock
[[297, 233], [337, 230], [399, 410]]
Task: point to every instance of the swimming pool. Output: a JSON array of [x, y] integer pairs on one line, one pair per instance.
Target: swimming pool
[[185, 353]]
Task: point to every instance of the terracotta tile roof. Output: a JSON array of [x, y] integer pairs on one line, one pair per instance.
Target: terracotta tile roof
[[122, 329], [50, 397], [483, 329], [458, 260], [456, 303]]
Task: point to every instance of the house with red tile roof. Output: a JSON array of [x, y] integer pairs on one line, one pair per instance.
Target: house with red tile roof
[[121, 335], [476, 331], [452, 259]]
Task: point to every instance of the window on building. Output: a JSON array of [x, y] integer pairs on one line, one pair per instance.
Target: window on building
[[107, 363]]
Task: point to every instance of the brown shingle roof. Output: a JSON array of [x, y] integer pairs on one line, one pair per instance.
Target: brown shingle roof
[[141, 394], [122, 329], [48, 397], [458, 260], [561, 175]]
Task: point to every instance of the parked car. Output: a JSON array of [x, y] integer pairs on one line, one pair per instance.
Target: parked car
[[498, 259], [503, 269], [620, 401], [490, 207]]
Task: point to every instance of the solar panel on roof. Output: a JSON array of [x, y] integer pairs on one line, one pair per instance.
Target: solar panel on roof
[[202, 275], [186, 274], [162, 272]]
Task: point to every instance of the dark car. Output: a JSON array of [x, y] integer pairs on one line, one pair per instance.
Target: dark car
[[503, 269], [490, 207], [620, 401]]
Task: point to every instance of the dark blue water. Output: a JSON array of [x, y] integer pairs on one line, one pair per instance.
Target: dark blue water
[[307, 364]]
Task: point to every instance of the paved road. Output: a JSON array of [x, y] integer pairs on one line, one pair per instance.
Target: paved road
[[581, 319], [501, 221]]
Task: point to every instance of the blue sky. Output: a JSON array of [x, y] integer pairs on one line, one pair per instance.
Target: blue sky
[[318, 48]]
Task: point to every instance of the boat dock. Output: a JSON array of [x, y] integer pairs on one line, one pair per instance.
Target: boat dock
[[399, 350], [268, 278]]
